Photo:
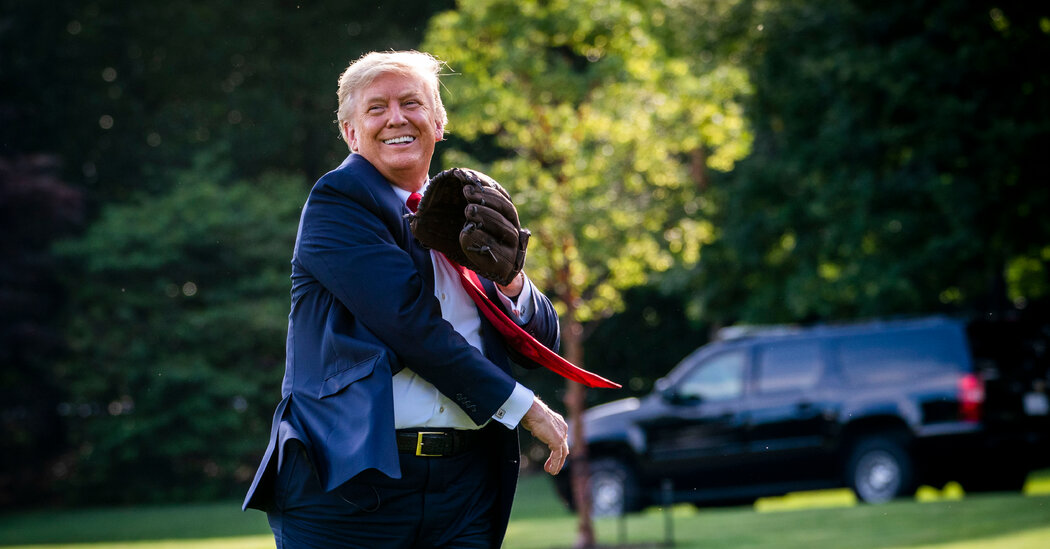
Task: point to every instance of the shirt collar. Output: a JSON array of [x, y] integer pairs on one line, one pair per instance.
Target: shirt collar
[[403, 194]]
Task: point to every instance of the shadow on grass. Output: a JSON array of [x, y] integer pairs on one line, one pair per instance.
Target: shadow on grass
[[945, 518], [118, 524], [540, 521]]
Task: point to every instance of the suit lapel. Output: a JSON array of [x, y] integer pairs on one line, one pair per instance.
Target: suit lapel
[[420, 256], [390, 203]]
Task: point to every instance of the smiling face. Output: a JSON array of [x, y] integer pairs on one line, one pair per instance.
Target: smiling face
[[394, 126]]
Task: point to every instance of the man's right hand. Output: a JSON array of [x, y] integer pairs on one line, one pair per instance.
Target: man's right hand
[[549, 428]]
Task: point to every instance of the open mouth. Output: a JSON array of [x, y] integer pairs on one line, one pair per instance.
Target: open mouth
[[399, 140]]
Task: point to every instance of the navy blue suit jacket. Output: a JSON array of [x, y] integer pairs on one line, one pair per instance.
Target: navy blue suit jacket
[[363, 307]]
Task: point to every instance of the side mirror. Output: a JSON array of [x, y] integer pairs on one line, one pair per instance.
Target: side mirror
[[664, 388], [670, 395]]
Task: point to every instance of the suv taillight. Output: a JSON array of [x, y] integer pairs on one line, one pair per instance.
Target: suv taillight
[[971, 397]]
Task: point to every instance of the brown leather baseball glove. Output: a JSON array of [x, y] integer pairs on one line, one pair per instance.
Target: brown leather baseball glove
[[469, 217]]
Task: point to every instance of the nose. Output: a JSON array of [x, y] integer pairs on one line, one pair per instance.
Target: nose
[[397, 117]]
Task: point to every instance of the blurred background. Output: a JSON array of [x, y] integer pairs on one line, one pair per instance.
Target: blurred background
[[684, 165]]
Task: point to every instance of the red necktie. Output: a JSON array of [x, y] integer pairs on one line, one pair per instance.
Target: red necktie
[[521, 340], [413, 201], [513, 334]]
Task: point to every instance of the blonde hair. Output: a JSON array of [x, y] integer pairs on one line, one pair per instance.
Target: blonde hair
[[362, 72]]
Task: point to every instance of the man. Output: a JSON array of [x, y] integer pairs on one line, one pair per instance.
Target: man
[[397, 424]]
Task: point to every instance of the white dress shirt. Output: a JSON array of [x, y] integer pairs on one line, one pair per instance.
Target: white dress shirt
[[417, 403]]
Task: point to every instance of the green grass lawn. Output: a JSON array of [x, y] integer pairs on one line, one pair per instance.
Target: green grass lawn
[[945, 519]]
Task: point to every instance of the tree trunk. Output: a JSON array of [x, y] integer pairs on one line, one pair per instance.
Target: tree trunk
[[575, 402], [698, 168]]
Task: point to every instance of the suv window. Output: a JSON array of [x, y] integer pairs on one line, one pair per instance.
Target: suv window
[[790, 366], [720, 377], [894, 358]]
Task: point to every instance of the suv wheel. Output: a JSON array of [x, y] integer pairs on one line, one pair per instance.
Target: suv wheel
[[614, 488], [879, 469]]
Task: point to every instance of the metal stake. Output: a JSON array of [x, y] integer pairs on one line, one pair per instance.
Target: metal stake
[[667, 488]]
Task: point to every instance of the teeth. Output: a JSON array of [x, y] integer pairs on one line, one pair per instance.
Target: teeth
[[405, 139]]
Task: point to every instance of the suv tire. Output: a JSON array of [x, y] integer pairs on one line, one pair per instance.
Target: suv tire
[[879, 469], [614, 488]]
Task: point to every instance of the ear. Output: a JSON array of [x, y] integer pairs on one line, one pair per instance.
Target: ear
[[350, 136], [439, 133]]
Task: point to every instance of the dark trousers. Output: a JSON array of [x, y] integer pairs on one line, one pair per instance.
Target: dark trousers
[[443, 502]]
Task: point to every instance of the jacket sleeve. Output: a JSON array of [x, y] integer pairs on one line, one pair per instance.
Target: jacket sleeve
[[542, 325], [347, 242]]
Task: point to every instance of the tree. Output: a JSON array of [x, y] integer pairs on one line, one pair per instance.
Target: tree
[[123, 97], [123, 92], [581, 112], [36, 207], [177, 328], [897, 166]]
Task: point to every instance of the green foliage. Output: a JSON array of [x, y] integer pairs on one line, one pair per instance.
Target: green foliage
[[125, 96], [898, 164], [36, 208], [594, 120], [124, 92], [177, 333]]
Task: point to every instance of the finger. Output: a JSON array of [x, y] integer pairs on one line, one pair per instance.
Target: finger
[[556, 460], [492, 198], [559, 448], [492, 222], [556, 463], [553, 465], [481, 181]]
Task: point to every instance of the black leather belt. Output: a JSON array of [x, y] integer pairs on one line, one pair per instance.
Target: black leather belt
[[437, 442]]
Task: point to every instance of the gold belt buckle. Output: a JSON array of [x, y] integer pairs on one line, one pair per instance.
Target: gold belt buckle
[[419, 443]]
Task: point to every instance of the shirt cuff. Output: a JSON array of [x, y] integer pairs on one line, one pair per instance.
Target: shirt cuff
[[520, 308], [515, 407]]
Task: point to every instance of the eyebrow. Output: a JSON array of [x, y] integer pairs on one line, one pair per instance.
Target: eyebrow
[[416, 94], [412, 95]]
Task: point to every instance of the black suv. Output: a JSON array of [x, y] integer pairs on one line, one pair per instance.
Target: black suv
[[879, 407]]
